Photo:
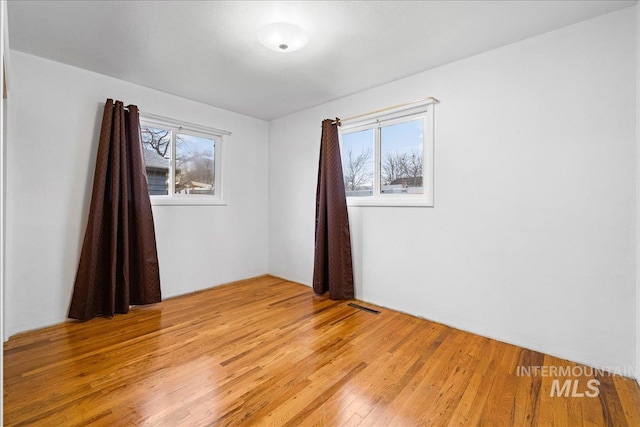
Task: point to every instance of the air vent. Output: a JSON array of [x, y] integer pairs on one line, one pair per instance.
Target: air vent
[[359, 307]]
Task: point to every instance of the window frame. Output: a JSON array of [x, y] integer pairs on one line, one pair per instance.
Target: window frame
[[190, 129], [424, 111]]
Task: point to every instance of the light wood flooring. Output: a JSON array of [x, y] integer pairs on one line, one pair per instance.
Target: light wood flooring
[[268, 352]]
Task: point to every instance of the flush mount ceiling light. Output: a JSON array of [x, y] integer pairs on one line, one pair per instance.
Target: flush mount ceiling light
[[283, 37]]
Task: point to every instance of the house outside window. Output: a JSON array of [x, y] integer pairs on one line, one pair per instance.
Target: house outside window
[[157, 172]]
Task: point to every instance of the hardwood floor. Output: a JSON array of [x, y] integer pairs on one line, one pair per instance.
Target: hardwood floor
[[268, 352]]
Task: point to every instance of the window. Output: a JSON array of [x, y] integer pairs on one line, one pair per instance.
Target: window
[[387, 159], [183, 162]]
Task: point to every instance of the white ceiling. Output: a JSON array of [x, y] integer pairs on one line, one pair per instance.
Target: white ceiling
[[209, 51]]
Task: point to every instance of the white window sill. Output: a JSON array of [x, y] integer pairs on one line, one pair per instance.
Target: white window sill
[[390, 202], [187, 201]]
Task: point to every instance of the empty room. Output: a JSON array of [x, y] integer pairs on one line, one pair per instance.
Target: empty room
[[320, 213]]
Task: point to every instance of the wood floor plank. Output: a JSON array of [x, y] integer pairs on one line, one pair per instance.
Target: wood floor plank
[[629, 393], [266, 351]]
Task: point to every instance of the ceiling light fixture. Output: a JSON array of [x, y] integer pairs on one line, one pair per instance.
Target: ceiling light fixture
[[283, 37]]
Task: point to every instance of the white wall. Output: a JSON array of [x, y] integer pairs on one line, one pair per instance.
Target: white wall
[[637, 324], [4, 53], [54, 125], [532, 238]]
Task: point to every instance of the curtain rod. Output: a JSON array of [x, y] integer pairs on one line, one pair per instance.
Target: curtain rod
[[431, 98]]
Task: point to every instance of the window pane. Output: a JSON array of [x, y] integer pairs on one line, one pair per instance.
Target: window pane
[[157, 153], [357, 163], [195, 165], [401, 158]]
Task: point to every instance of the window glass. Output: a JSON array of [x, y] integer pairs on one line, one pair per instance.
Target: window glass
[[357, 163], [156, 149], [401, 157], [195, 165]]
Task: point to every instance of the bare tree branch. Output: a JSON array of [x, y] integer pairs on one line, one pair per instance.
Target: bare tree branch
[[402, 165], [355, 173], [391, 168], [156, 139], [414, 168]]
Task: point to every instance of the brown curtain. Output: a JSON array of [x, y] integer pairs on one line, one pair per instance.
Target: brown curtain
[[119, 261], [332, 270]]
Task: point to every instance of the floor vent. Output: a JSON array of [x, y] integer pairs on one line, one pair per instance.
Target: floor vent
[[370, 310]]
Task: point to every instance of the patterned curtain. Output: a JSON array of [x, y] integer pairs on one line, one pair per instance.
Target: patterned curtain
[[119, 262], [333, 270]]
